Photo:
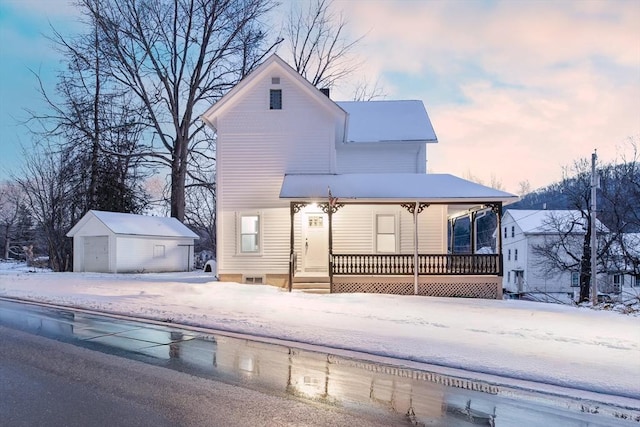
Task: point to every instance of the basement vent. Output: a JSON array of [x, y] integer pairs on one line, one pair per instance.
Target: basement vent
[[275, 80], [253, 280]]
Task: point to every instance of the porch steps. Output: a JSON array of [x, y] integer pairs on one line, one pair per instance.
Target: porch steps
[[311, 284]]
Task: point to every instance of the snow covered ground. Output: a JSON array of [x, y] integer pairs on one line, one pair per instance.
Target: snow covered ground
[[583, 349]]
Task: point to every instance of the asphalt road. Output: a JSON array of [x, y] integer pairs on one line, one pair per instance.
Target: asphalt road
[[44, 382]]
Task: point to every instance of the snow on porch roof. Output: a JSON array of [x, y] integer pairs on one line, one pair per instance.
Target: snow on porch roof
[[386, 121], [442, 188], [142, 225]]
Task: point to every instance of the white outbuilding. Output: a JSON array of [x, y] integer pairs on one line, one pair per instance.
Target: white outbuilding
[[113, 242]]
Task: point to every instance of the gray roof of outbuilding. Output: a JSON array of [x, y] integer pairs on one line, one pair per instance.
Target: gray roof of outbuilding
[[142, 225]]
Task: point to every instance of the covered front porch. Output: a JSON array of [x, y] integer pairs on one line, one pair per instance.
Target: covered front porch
[[398, 259]]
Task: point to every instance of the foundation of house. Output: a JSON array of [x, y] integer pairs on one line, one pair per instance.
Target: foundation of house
[[438, 286]]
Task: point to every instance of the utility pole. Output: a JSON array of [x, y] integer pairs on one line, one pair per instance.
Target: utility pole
[[594, 240]]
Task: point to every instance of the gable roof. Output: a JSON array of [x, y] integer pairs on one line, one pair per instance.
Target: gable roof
[[436, 188], [385, 121], [132, 224], [267, 67], [551, 221]]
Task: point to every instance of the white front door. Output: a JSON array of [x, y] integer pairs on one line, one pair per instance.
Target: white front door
[[315, 244]]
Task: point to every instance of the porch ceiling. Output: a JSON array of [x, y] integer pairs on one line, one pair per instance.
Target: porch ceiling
[[391, 187]]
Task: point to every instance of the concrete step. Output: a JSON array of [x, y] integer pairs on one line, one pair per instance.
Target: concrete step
[[310, 278], [310, 285]]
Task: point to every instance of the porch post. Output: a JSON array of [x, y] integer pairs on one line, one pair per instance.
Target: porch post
[[498, 212], [472, 231], [452, 239], [291, 214], [415, 249], [330, 218]]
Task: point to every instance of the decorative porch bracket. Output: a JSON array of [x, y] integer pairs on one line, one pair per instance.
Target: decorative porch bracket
[[411, 207], [294, 208], [330, 207], [414, 209]]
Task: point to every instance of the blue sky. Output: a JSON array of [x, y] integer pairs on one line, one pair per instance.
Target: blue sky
[[515, 89]]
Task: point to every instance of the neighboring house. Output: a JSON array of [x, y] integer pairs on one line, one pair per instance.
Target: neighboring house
[[623, 266], [112, 242], [525, 270], [312, 190]]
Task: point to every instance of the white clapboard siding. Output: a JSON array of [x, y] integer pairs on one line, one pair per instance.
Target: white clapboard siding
[[354, 229], [273, 257], [256, 147], [137, 254], [400, 157]]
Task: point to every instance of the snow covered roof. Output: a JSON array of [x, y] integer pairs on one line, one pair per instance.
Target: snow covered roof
[[273, 64], [441, 188], [132, 224], [550, 221], [385, 121]]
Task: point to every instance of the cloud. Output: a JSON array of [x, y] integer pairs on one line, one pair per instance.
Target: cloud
[[515, 90]]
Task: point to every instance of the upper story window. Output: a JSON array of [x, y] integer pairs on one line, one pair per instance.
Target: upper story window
[[509, 255], [505, 232], [515, 255], [275, 99], [513, 231]]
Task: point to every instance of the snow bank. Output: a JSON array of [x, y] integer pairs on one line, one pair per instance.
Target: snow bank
[[568, 346]]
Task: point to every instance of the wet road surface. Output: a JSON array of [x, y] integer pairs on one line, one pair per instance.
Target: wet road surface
[[366, 390]]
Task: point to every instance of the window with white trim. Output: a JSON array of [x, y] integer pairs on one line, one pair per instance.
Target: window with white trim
[[508, 277], [275, 99], [513, 231], [515, 254], [249, 233], [509, 255], [575, 279], [386, 233]]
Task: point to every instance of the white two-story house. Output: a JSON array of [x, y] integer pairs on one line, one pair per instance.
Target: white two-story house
[[526, 269], [312, 190]]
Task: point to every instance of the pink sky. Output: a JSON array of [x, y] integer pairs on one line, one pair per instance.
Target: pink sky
[[515, 89]]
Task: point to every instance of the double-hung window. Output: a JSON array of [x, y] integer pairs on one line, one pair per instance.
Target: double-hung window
[[386, 236], [275, 99], [249, 233], [575, 279]]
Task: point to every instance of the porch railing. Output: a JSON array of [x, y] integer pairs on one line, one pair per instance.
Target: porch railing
[[403, 264]]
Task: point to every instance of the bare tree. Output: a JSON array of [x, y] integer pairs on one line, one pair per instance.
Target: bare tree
[[10, 202], [524, 188], [49, 197], [177, 58], [367, 91], [570, 247], [319, 45], [96, 127], [201, 216]]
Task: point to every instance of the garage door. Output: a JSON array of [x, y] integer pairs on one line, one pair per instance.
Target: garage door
[[96, 254]]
